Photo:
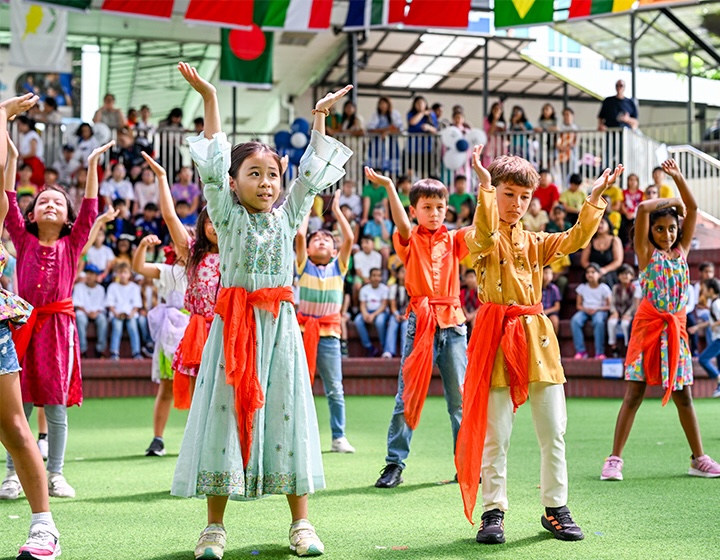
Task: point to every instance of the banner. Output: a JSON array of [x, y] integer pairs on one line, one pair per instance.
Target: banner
[[437, 13], [38, 37], [246, 58], [223, 13], [155, 9], [510, 13]]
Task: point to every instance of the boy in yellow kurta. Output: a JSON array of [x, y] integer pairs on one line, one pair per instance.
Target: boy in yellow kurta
[[516, 354]]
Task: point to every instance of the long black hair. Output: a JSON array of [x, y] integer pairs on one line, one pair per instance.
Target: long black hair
[[655, 216], [32, 227], [201, 246]]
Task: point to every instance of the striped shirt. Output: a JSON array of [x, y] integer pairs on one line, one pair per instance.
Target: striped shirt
[[321, 291]]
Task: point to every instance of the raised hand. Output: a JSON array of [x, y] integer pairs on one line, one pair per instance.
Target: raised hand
[[671, 168], [17, 105], [482, 173], [158, 169], [331, 98], [335, 206], [604, 181], [377, 179], [202, 86], [109, 215], [150, 240], [94, 157]]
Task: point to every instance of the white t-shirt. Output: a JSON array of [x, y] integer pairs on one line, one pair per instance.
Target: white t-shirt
[[123, 298], [84, 148], [594, 298], [24, 144], [365, 262], [354, 202], [117, 189], [172, 284], [145, 193], [373, 297], [100, 256], [65, 170], [90, 299]]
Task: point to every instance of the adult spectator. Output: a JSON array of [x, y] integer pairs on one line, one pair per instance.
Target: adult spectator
[[173, 120], [520, 123], [618, 111], [547, 123], [438, 110], [493, 124], [144, 129], [198, 125], [386, 124], [350, 121], [422, 123], [567, 151], [605, 250], [49, 113], [31, 149], [109, 114], [171, 140]]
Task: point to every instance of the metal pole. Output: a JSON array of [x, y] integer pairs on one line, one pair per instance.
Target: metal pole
[[566, 96], [486, 83], [352, 52], [633, 57], [690, 108], [234, 113]]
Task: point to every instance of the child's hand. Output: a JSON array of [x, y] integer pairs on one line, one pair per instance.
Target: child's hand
[[604, 181], [335, 207], [17, 105], [109, 215], [158, 169], [190, 73], [680, 207], [97, 152], [377, 179], [331, 98], [284, 161], [150, 240], [482, 173], [671, 168]]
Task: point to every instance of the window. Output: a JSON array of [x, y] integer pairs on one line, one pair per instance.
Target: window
[[554, 61], [573, 62], [605, 64], [573, 46]]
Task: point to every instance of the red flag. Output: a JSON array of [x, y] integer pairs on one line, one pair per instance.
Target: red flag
[[225, 13], [437, 13], [161, 9]]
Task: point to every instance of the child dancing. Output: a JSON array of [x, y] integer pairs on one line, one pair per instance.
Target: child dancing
[[252, 428], [661, 246], [516, 353]]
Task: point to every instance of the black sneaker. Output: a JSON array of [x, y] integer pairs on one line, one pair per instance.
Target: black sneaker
[[156, 449], [560, 523], [492, 527], [390, 476]]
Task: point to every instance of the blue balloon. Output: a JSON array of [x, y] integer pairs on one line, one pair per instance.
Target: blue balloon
[[295, 155], [300, 125], [462, 145], [282, 139]]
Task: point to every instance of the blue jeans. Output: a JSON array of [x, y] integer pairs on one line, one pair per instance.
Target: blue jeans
[[450, 355], [329, 368], [391, 338], [133, 334], [599, 318], [101, 325], [380, 325], [712, 351]]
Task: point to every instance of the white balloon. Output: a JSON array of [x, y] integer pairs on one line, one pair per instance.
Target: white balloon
[[102, 132], [298, 140], [454, 160], [475, 137], [450, 136]]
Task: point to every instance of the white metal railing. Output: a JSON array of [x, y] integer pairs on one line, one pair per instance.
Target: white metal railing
[[702, 172]]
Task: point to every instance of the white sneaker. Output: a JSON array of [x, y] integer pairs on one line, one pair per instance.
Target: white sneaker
[[43, 446], [716, 393], [10, 489], [43, 543], [342, 445], [304, 540], [387, 355], [211, 544], [58, 487]]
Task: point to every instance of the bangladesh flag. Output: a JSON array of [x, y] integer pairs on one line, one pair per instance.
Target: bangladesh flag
[[82, 5], [509, 13], [246, 58]]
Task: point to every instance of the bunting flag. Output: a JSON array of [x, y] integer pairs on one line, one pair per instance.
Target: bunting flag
[[436, 13], [157, 9], [363, 14], [298, 15], [223, 13], [510, 13], [246, 58], [77, 5], [38, 37], [587, 8]]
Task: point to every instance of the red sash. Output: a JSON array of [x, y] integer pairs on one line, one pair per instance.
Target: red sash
[[21, 336], [189, 354]]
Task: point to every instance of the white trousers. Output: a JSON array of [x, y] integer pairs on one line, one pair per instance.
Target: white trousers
[[547, 403], [612, 329]]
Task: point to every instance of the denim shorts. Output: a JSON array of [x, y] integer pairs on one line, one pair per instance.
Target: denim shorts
[[8, 356]]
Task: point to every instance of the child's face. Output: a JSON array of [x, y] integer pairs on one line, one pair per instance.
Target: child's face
[[348, 213], [429, 212], [24, 202], [658, 176], [50, 209], [100, 239], [400, 274], [257, 184], [182, 210], [513, 202], [592, 276], [91, 279], [366, 245], [122, 210], [574, 186], [534, 207], [708, 273], [471, 281], [664, 232], [81, 176], [123, 246], [651, 193], [567, 117], [210, 232], [378, 214], [25, 174], [119, 172], [460, 186], [547, 276], [375, 278], [149, 215], [123, 276], [50, 178], [321, 248], [68, 154], [559, 216], [625, 278], [545, 179], [184, 176], [633, 183], [348, 188], [404, 187], [148, 177]]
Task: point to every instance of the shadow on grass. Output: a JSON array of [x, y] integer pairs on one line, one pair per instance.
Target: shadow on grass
[[371, 490], [115, 459], [144, 497], [256, 551], [466, 548]]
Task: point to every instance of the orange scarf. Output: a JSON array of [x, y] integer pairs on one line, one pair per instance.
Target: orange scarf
[[647, 326], [311, 337], [497, 326], [418, 366], [235, 306], [189, 354], [22, 336]]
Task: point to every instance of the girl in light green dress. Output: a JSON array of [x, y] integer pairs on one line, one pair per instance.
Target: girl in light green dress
[[259, 434]]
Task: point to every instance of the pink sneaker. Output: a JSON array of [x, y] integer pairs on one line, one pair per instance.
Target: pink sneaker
[[612, 469], [600, 357], [704, 466], [580, 356]]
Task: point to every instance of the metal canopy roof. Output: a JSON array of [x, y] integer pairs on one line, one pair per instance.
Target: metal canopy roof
[[665, 36], [408, 61]]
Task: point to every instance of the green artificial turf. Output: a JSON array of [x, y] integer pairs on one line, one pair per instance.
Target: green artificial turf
[[123, 509]]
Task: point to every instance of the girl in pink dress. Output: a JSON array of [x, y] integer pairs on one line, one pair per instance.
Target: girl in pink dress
[[49, 239]]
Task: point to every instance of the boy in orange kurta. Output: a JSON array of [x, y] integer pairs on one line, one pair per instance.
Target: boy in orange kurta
[[516, 353]]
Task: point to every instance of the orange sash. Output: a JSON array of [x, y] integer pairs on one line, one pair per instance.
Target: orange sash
[[417, 368], [501, 327], [235, 306], [22, 336], [311, 336], [189, 354], [647, 326]]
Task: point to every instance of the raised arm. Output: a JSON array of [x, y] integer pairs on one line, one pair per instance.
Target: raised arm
[[397, 211], [348, 236], [178, 233], [91, 185], [322, 108], [10, 165], [100, 224], [483, 237], [301, 244], [691, 208], [643, 248], [138, 263], [209, 95]]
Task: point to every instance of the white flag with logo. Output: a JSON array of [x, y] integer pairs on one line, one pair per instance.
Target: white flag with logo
[[38, 37]]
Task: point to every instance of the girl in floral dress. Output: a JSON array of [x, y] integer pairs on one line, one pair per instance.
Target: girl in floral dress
[[661, 247], [252, 428]]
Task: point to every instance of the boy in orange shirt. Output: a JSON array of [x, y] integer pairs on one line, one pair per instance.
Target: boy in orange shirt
[[516, 353], [436, 323]]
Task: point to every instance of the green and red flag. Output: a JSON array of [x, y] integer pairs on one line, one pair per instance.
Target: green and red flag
[[587, 8], [510, 13]]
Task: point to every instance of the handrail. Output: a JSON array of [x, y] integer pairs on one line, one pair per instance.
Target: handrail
[[688, 149]]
